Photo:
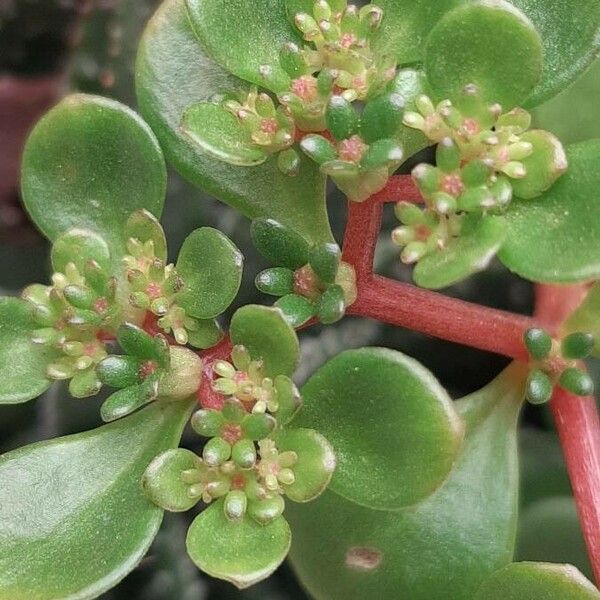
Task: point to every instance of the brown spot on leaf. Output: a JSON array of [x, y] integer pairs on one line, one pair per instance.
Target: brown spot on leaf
[[361, 558]]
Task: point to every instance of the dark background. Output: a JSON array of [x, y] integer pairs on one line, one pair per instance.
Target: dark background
[[51, 47]]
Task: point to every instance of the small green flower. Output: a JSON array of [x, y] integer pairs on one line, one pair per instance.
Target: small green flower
[[275, 469]]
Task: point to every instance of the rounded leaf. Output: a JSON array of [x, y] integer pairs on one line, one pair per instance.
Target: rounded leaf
[[388, 420], [276, 281], [22, 363], [315, 464], [211, 267], [555, 238], [467, 254], [79, 246], [279, 244], [172, 73], [163, 483], [89, 163], [242, 552], [144, 226], [462, 533], [533, 581], [220, 133], [268, 337], [296, 309], [88, 522], [490, 44], [246, 50]]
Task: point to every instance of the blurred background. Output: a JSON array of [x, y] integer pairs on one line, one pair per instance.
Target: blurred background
[[49, 48]]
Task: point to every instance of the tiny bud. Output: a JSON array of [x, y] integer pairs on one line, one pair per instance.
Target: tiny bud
[[577, 345], [216, 452], [538, 343], [515, 170], [235, 505], [577, 382], [413, 252], [538, 388]]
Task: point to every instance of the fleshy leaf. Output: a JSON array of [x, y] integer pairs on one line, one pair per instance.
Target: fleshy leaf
[[315, 465], [569, 32], [533, 581], [144, 226], [172, 73], [587, 317], [79, 246], [88, 522], [279, 244], [89, 163], [296, 309], [163, 482], [246, 50], [268, 337], [392, 426], [219, 132], [406, 25], [127, 400], [463, 532], [490, 44], [242, 552], [555, 238], [549, 530], [465, 255], [547, 163], [211, 266], [22, 363]]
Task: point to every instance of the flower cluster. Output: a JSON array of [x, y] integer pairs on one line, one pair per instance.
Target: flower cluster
[[247, 461], [483, 157], [554, 362]]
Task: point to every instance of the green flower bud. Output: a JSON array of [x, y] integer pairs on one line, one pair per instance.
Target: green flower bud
[[235, 505], [538, 343], [577, 345], [577, 382], [216, 452], [538, 388]]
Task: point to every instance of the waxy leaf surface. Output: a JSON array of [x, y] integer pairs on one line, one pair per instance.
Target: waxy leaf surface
[[173, 73], [463, 532], [393, 428], [22, 363], [73, 517], [90, 163]]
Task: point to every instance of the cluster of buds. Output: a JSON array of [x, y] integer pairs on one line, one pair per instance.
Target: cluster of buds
[[77, 311], [423, 231], [154, 284], [483, 158], [323, 288], [555, 362], [338, 39], [358, 168], [149, 368], [527, 161], [270, 128], [241, 462], [243, 379]]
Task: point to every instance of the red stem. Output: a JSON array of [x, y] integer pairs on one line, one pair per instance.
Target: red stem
[[497, 331], [577, 423]]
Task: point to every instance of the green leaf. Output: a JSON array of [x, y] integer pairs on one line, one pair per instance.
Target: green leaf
[[206, 334], [547, 163], [555, 238], [490, 44], [406, 25], [217, 131], [119, 371], [462, 533], [242, 552], [393, 428], [325, 261], [22, 363], [549, 530], [163, 482], [89, 163], [267, 336], [211, 267], [533, 581], [296, 309], [276, 281], [172, 73], [587, 317], [144, 226], [318, 148], [570, 33], [88, 522], [331, 305], [467, 254], [128, 400], [79, 246], [279, 244], [341, 118], [315, 465], [244, 50]]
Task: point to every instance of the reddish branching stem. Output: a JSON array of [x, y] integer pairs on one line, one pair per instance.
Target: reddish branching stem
[[484, 328], [577, 423]]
